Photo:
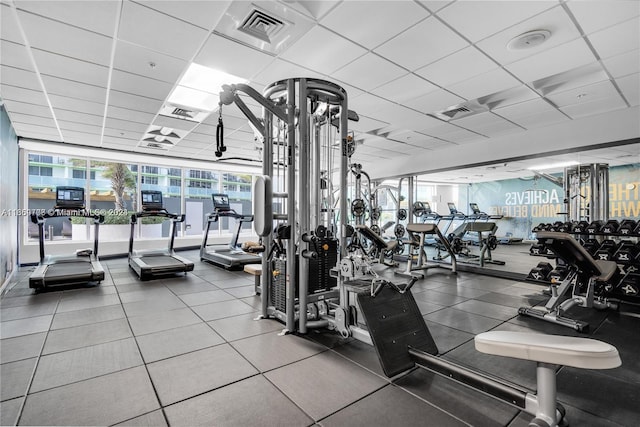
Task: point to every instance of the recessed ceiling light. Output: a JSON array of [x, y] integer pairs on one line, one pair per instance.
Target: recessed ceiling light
[[528, 40]]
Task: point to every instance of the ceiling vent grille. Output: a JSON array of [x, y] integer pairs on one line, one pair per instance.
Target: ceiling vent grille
[[261, 25], [156, 146], [456, 111], [459, 111], [181, 112]]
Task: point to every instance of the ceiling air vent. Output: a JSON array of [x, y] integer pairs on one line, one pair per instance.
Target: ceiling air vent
[[181, 112], [156, 146], [461, 110], [261, 25], [456, 111]]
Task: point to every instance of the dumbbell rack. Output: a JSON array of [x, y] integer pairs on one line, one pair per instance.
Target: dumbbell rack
[[604, 241]]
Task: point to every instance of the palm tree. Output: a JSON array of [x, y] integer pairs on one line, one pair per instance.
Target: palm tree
[[122, 179]]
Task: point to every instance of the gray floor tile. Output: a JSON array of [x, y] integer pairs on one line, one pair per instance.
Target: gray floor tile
[[136, 286], [219, 310], [201, 298], [191, 287], [185, 376], [9, 410], [304, 381], [447, 338], [269, 351], [32, 325], [105, 400], [143, 295], [254, 301], [25, 311], [233, 283], [86, 335], [153, 305], [374, 410], [250, 402], [161, 345], [88, 316], [461, 291], [15, 378], [427, 307], [152, 419], [362, 354], [22, 347], [76, 365], [487, 309], [509, 300], [439, 298], [243, 326], [462, 320], [243, 291], [84, 301], [33, 299], [162, 321]]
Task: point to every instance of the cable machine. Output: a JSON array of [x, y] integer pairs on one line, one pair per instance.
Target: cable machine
[[587, 192]]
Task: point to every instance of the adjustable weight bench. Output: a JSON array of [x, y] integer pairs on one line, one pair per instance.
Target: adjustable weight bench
[[585, 275], [382, 245], [418, 243]]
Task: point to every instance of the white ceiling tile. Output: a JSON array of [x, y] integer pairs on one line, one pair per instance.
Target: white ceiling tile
[[174, 123], [138, 85], [366, 124], [556, 60], [508, 97], [134, 102], [82, 138], [33, 120], [457, 67], [225, 55], [404, 117], [463, 136], [630, 87], [37, 135], [368, 104], [596, 15], [324, 44], [524, 109], [94, 15], [21, 78], [126, 125], [479, 19], [597, 106], [157, 31], [422, 44], [403, 88], [127, 114], [26, 108], [579, 95], [74, 116], [124, 134], [577, 77], [204, 14], [313, 8], [62, 87], [24, 129], [79, 127], [555, 20], [71, 69], [435, 5], [368, 72], [617, 39], [23, 95], [279, 70], [72, 104], [15, 55], [438, 128], [537, 120], [375, 22], [485, 84], [487, 124], [136, 59], [624, 64], [434, 101], [66, 40], [9, 29]]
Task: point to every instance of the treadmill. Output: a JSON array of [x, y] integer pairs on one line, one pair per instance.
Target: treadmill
[[231, 257], [150, 263], [81, 267]]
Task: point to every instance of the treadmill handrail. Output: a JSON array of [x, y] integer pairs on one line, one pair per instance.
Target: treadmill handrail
[[163, 213], [81, 213], [213, 216]]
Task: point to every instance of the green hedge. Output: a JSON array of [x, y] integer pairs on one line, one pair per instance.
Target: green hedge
[[120, 219]]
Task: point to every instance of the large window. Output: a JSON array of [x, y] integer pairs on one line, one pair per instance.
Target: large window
[[199, 185]]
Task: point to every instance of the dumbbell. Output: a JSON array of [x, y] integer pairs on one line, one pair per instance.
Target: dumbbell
[[539, 227], [580, 227], [556, 226], [540, 272], [606, 250], [566, 227], [538, 249], [627, 227], [627, 253], [591, 246], [594, 227], [611, 227], [558, 274], [629, 286], [636, 230]]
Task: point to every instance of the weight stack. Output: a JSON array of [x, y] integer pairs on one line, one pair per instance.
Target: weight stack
[[319, 278], [278, 291]]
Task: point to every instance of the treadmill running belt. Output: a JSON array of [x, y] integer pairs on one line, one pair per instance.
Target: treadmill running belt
[[68, 269], [161, 261]]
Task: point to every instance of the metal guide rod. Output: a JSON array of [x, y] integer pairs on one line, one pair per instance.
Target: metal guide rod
[[410, 200], [344, 170], [304, 198], [267, 169], [292, 282]]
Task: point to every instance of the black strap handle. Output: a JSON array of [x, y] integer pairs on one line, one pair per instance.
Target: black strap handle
[[220, 148]]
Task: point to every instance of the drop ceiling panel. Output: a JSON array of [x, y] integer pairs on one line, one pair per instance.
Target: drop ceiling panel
[[79, 127], [366, 124], [74, 116], [62, 87], [9, 29], [630, 87], [20, 78], [596, 15], [313, 8], [279, 70], [577, 77], [555, 60], [462, 136], [422, 44], [204, 14], [479, 19], [138, 60], [33, 120], [522, 110], [134, 102], [40, 136], [323, 44], [126, 125], [487, 124], [624, 64], [70, 69], [173, 123], [131, 115], [603, 89], [15, 55], [222, 54], [434, 101], [138, 85], [403, 88], [96, 16], [376, 22], [66, 40], [457, 67], [26, 108], [369, 71], [617, 39], [435, 5], [589, 108], [404, 117], [485, 84], [124, 134], [437, 128], [555, 20], [156, 31], [23, 95], [72, 104], [81, 138], [26, 130]]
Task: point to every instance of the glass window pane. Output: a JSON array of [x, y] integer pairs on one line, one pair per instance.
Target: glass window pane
[[199, 185], [239, 189], [157, 178]]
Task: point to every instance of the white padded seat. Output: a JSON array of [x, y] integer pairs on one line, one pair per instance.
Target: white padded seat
[[254, 269], [554, 349]]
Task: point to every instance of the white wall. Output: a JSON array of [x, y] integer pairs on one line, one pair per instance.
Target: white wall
[[9, 161]]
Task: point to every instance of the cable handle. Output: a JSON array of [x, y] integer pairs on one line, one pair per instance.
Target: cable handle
[[220, 148]]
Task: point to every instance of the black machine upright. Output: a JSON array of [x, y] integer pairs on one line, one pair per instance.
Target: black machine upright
[[156, 262], [232, 256], [79, 268]]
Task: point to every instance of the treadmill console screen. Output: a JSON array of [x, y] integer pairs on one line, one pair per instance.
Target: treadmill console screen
[[474, 208], [452, 208], [151, 200], [221, 202], [70, 197]]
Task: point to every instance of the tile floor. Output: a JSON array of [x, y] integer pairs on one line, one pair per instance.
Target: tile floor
[[186, 351]]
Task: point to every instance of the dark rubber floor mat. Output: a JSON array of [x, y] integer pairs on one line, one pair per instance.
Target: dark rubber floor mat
[[158, 261]]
